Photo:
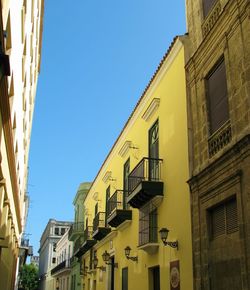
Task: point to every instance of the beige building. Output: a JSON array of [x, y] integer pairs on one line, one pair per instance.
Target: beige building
[[61, 272], [218, 89], [48, 257], [20, 53]]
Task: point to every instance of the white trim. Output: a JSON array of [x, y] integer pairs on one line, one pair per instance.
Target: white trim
[[151, 109], [106, 176], [125, 148]]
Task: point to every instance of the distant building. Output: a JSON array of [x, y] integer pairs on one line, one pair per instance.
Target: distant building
[[34, 260], [76, 233], [61, 271], [21, 25], [47, 252]]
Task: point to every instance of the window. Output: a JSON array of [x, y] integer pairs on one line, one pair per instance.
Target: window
[[53, 260], [54, 247], [148, 224], [224, 219], [62, 231], [207, 5], [57, 231], [216, 85]]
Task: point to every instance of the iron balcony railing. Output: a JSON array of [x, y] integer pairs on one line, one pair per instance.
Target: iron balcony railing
[[77, 244], [63, 265], [87, 234], [25, 243], [99, 221], [148, 169], [117, 201], [76, 228]]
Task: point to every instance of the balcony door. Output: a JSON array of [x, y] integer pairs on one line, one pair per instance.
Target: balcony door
[[126, 170], [107, 205], [153, 164]]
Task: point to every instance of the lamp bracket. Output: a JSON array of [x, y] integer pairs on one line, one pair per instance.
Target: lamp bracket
[[173, 244]]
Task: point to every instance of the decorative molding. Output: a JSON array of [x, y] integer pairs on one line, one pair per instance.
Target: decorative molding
[[125, 148], [211, 19], [106, 176], [151, 109], [95, 196]]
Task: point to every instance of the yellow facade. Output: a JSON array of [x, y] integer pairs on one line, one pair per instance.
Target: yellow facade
[[164, 101]]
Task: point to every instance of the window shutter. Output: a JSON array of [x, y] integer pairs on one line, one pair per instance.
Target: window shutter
[[231, 216], [218, 221], [207, 5], [217, 97]]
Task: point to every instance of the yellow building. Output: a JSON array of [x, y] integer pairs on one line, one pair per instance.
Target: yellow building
[[141, 188], [20, 51]]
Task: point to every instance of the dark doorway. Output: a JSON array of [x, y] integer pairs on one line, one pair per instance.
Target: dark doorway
[[154, 278], [125, 278], [112, 276], [153, 153]]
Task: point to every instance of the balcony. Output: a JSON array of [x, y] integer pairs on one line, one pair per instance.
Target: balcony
[[62, 267], [117, 210], [144, 182], [76, 230], [100, 229], [219, 139], [77, 244], [88, 242]]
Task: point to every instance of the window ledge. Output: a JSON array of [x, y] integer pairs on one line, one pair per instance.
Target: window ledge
[[150, 248]]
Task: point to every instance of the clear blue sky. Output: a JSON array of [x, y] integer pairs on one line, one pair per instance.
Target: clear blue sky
[[97, 58]]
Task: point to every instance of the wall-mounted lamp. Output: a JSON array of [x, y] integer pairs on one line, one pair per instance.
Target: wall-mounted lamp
[[127, 254], [95, 263], [106, 259], [164, 236]]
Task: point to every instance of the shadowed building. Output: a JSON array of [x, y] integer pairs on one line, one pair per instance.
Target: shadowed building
[[218, 91]]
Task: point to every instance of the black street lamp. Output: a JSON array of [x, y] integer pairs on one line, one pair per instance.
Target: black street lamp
[[164, 236]]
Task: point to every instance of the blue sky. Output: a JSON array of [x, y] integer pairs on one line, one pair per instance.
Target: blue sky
[[97, 58]]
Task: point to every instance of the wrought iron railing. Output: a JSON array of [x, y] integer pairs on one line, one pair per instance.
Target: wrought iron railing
[[87, 234], [117, 201], [99, 221], [72, 260], [148, 169], [220, 139], [76, 228], [63, 265], [25, 243], [77, 244]]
